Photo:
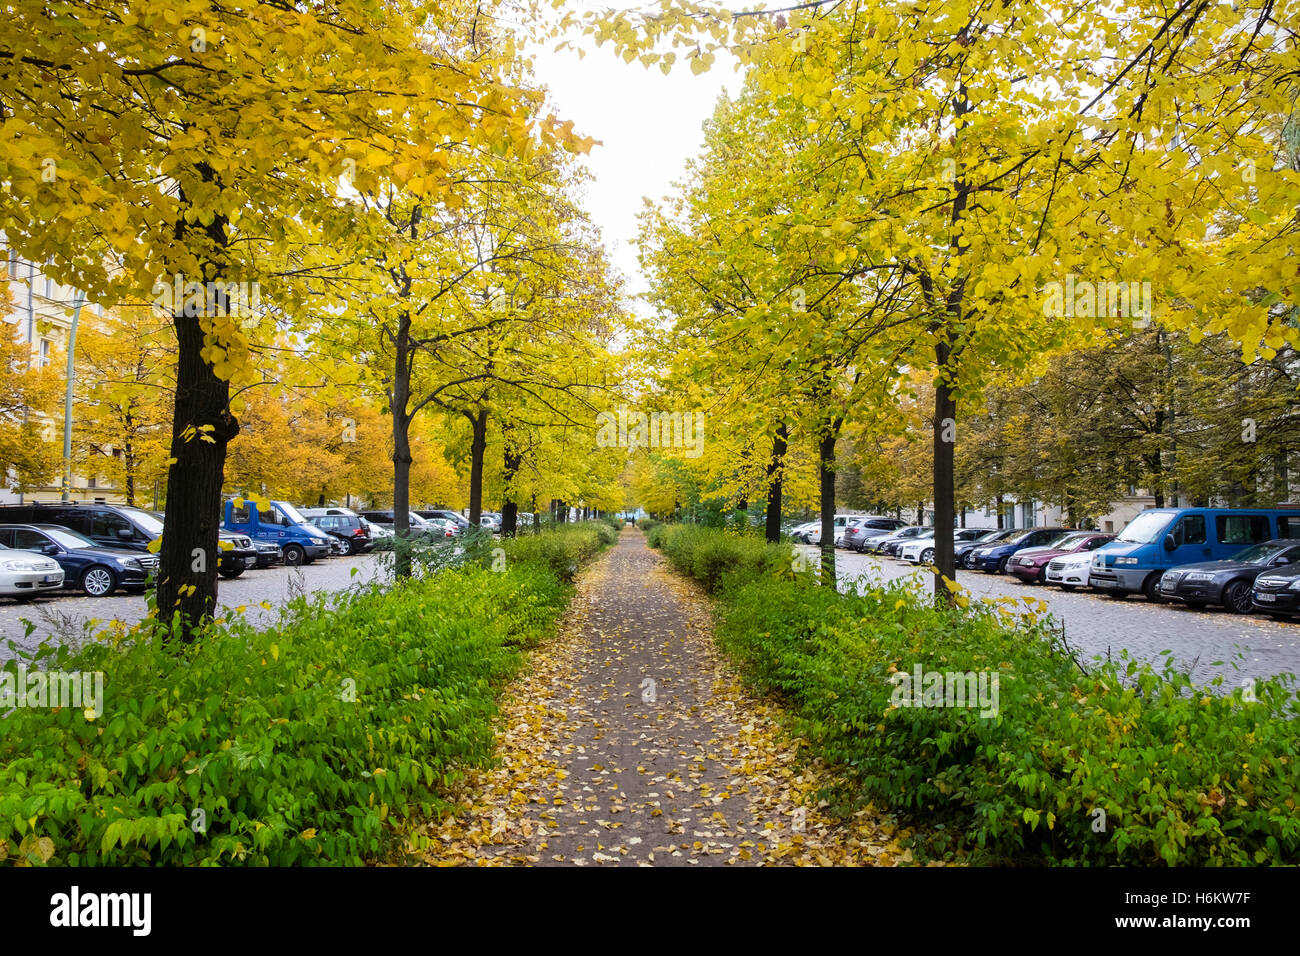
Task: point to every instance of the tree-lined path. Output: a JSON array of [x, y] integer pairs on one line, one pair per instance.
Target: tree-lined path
[[629, 741]]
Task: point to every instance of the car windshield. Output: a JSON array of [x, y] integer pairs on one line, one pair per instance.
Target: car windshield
[[1261, 553], [292, 513], [1146, 527], [150, 521], [1069, 541], [68, 538]]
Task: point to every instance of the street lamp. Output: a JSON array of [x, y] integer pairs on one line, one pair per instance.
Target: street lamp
[[67, 399]]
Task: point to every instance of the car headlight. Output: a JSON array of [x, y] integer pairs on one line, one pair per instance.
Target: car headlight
[[131, 563], [13, 565], [1126, 560], [1294, 585]]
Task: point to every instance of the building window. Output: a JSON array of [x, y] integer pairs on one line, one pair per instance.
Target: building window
[[90, 482], [44, 359]]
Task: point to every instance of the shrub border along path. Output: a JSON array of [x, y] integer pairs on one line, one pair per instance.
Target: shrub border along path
[[593, 769]]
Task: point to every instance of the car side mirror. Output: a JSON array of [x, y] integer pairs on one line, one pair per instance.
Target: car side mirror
[[50, 549], [126, 534], [1170, 543], [1282, 559]]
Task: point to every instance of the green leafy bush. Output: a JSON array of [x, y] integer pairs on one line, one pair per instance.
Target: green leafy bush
[[1123, 765], [710, 555], [301, 743]]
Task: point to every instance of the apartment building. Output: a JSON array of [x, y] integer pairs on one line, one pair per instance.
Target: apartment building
[[40, 309]]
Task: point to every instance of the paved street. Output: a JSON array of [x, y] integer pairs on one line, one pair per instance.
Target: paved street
[[1096, 625], [64, 616]]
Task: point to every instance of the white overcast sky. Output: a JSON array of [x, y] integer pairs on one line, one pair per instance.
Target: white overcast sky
[[649, 125]]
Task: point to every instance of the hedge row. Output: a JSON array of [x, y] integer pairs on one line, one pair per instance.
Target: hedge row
[[308, 742], [1122, 765]]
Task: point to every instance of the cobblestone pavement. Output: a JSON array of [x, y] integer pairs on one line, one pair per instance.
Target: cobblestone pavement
[[1096, 625], [64, 615]]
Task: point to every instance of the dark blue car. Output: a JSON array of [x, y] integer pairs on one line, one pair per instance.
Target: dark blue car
[[97, 570], [994, 557]]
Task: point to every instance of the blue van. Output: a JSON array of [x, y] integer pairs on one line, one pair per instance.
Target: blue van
[[1162, 538], [300, 541]]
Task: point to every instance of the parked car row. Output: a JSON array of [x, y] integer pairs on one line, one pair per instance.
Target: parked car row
[[100, 548], [1244, 560]]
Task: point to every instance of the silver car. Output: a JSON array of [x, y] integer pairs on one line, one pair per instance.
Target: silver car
[[25, 574]]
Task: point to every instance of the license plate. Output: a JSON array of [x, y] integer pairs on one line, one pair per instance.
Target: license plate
[[50, 578], [1265, 598], [1166, 585]]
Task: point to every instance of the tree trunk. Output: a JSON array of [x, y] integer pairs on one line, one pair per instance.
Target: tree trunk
[[399, 401], [511, 460], [477, 449], [826, 478], [945, 421], [776, 483], [187, 572]]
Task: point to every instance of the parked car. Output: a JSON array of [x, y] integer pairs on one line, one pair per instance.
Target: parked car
[[800, 532], [443, 527], [1030, 565], [121, 526], [868, 526], [268, 554], [995, 557], [891, 544], [1162, 538], [25, 574], [920, 550], [840, 524], [454, 516], [490, 521], [1069, 571], [300, 540], [414, 522], [347, 529], [378, 532], [962, 551], [1276, 591], [1230, 582], [97, 570]]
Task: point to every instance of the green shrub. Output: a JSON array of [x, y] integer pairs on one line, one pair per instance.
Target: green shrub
[[654, 533], [1183, 776], [302, 743], [710, 555]]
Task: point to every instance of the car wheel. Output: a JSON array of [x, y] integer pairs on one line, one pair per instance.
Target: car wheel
[[927, 556], [353, 547], [98, 581], [1041, 577], [231, 573], [294, 555], [1236, 597], [1151, 588]]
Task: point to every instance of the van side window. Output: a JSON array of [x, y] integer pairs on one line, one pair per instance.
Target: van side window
[[271, 517], [239, 515], [105, 524], [1288, 526], [1242, 529], [1191, 530]]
